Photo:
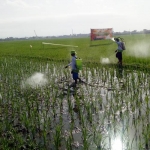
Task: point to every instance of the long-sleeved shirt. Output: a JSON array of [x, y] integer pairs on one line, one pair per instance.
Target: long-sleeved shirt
[[119, 46], [73, 63]]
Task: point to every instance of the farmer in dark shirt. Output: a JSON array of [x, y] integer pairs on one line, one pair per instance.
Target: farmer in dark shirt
[[119, 51]]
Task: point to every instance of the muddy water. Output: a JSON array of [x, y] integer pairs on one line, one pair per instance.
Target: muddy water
[[118, 110], [109, 110]]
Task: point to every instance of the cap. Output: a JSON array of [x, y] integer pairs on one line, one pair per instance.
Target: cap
[[73, 52], [116, 39]]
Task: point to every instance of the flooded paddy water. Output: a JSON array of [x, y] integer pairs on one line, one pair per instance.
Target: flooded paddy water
[[40, 110]]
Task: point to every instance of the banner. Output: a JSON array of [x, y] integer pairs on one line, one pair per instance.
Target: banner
[[101, 34]]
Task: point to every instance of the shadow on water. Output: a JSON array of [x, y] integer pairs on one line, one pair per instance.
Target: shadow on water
[[119, 72]]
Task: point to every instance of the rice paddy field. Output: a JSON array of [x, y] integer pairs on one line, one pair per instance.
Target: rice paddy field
[[39, 110]]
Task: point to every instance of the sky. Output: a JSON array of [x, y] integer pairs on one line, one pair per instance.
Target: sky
[[27, 18]]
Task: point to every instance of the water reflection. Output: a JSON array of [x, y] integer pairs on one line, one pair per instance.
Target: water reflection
[[117, 144], [109, 112], [113, 92]]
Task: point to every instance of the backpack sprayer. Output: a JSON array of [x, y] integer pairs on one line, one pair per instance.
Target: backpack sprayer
[[79, 63]]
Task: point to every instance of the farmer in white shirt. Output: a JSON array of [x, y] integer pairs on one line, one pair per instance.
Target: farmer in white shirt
[[74, 69]]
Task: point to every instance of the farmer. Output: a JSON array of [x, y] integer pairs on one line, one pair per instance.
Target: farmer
[[74, 70], [119, 51]]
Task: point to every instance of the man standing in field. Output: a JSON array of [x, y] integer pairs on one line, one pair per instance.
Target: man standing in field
[[74, 69], [119, 51]]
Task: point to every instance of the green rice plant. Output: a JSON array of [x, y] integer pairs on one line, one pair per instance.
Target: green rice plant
[[85, 140], [44, 137], [68, 143], [98, 140], [72, 116], [57, 136], [71, 131], [82, 120], [70, 107], [35, 113]]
